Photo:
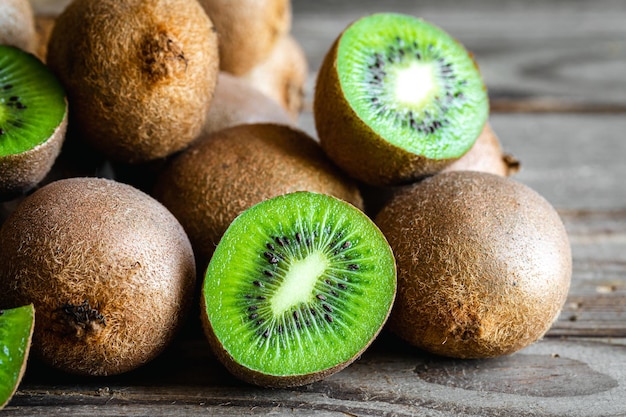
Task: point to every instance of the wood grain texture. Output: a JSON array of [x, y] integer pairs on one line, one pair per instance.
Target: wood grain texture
[[555, 73], [389, 380]]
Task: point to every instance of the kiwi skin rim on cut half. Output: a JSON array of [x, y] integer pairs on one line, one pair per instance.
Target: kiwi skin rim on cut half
[[299, 287], [362, 151], [23, 167], [484, 264]]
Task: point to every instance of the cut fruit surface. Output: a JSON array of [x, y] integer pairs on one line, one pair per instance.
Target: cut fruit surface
[[397, 99], [413, 84], [297, 288], [32, 102], [16, 329]]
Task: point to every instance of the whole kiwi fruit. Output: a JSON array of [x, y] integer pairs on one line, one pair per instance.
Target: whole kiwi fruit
[[283, 75], [484, 264], [110, 272], [248, 30], [486, 155], [139, 73], [17, 25], [221, 175], [237, 102]]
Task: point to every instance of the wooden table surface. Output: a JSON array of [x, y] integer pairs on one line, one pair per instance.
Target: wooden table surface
[[556, 73]]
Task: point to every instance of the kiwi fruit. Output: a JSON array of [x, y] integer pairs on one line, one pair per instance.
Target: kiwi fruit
[[17, 25], [486, 155], [16, 330], [109, 270], [33, 121], [220, 176], [140, 74], [248, 30], [43, 27], [298, 288], [237, 102], [397, 99], [484, 264], [283, 75]]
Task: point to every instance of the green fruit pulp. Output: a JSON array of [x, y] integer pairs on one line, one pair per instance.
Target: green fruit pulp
[[16, 328], [298, 284], [413, 84], [32, 101]]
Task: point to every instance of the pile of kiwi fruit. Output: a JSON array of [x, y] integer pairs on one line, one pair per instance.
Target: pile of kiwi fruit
[[153, 169]]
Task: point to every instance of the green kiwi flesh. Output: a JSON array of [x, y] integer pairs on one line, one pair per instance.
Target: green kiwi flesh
[[297, 288], [16, 329], [484, 264], [33, 120], [398, 98]]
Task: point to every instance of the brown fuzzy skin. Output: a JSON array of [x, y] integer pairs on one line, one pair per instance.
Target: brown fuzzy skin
[[140, 74], [248, 30], [237, 102], [486, 156], [221, 175], [21, 172], [110, 271], [43, 26], [257, 378], [283, 75], [484, 264], [17, 25], [353, 145]]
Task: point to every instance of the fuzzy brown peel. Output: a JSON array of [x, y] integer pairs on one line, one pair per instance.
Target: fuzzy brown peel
[[223, 174], [140, 74], [110, 271], [484, 264]]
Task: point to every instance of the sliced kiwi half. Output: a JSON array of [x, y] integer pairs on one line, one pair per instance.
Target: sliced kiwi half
[[16, 330], [298, 287], [33, 120], [398, 98]]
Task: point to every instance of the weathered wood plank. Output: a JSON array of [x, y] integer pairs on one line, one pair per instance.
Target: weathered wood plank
[[551, 378]]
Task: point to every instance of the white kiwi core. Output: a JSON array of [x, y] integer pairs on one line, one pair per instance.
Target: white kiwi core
[[299, 282], [414, 85]]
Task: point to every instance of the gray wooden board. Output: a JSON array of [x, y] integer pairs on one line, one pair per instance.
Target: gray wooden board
[[551, 378]]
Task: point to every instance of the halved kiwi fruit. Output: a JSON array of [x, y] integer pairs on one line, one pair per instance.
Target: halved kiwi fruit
[[397, 99], [484, 264], [33, 120], [16, 330], [297, 289]]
